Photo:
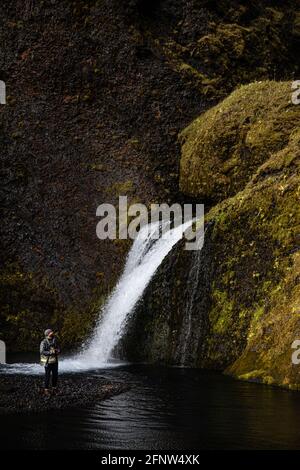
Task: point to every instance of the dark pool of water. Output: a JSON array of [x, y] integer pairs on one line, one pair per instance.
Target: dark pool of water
[[166, 408]]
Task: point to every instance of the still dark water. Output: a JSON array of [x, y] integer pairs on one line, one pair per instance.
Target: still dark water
[[166, 408]]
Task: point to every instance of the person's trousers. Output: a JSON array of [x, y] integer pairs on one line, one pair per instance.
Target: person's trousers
[[51, 369]]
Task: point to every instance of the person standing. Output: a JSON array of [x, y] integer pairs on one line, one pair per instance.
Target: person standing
[[49, 351]]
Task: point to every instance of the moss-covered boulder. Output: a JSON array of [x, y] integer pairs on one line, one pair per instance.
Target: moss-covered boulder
[[255, 290], [223, 147], [256, 281]]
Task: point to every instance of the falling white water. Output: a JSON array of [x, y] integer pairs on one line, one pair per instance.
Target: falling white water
[[143, 260], [145, 256]]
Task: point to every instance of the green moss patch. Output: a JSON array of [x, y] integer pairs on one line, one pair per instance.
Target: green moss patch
[[224, 147]]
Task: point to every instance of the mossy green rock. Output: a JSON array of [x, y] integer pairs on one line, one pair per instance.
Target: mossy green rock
[[257, 232], [256, 285], [223, 147]]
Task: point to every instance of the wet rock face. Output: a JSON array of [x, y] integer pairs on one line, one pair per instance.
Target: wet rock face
[[97, 92], [171, 323]]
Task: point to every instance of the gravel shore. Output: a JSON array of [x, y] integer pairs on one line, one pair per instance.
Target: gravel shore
[[24, 393]]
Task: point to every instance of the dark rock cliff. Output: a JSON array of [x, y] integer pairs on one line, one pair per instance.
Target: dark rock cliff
[[97, 92]]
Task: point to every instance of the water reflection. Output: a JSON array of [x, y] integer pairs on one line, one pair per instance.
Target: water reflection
[[167, 408]]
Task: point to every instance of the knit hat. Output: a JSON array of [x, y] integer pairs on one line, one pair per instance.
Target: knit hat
[[48, 331]]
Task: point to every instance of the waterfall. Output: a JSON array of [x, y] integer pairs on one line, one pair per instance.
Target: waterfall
[[145, 256]]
